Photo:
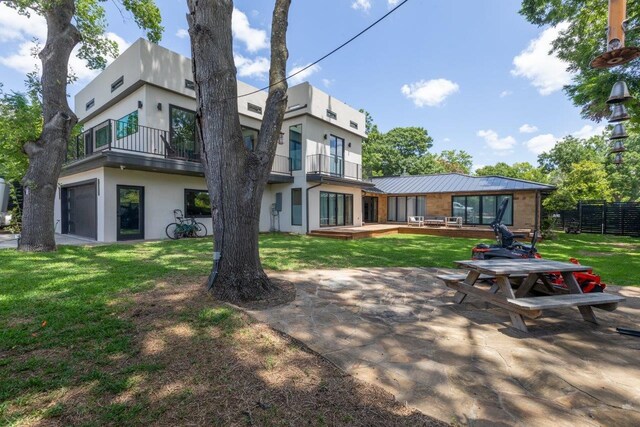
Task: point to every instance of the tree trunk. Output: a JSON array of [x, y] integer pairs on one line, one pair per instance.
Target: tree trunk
[[47, 154], [236, 176]]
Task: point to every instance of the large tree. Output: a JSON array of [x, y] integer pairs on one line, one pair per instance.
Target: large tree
[[69, 23], [236, 176], [519, 170], [583, 39]]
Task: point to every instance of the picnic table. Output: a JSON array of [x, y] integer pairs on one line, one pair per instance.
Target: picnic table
[[502, 275]]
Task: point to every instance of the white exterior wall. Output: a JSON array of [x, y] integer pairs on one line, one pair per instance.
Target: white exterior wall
[[78, 178], [314, 203]]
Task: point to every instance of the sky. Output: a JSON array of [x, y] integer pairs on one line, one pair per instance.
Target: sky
[[475, 74]]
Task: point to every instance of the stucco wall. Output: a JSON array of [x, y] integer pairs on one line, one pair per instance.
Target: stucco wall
[[77, 178], [314, 203]]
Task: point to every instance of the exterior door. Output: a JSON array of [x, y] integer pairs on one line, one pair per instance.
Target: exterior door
[[370, 209], [130, 212], [80, 210], [336, 158]]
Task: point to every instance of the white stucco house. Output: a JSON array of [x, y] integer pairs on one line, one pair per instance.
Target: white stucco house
[[137, 160]]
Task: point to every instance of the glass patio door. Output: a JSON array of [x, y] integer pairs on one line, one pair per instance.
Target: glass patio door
[[336, 158], [130, 212]]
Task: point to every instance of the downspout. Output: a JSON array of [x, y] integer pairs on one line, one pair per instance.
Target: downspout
[[537, 221], [307, 202]]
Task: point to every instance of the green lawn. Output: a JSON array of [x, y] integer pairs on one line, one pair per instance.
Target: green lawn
[[82, 292]]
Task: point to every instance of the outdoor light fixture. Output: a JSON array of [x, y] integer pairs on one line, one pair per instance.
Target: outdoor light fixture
[[281, 139], [159, 106], [617, 53], [619, 113], [139, 104], [618, 132]]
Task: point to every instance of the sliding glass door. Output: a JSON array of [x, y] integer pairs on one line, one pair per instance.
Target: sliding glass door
[[335, 209]]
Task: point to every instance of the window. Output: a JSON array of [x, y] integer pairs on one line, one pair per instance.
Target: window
[[182, 131], [295, 147], [102, 135], [331, 114], [250, 137], [477, 210], [254, 108], [197, 203], [399, 209], [296, 206], [189, 84], [128, 125], [115, 85], [336, 209], [353, 124], [90, 104], [336, 158]]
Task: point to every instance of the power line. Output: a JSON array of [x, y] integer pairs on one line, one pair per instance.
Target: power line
[[330, 53]]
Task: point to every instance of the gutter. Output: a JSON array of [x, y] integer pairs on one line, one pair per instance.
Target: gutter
[[307, 202]]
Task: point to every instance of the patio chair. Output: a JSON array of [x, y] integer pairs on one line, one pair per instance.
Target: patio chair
[[416, 220], [453, 221]]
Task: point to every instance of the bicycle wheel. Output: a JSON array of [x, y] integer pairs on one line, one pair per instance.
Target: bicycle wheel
[[173, 231], [200, 229]]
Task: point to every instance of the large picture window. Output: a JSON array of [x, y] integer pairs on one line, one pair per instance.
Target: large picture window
[[296, 206], [481, 210], [128, 125], [197, 204], [400, 208], [295, 147], [335, 209], [102, 135]]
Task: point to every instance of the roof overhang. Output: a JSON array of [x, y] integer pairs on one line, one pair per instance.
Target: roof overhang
[[327, 179]]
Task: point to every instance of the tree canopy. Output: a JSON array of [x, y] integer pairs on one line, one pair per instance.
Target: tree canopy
[[582, 40], [522, 170]]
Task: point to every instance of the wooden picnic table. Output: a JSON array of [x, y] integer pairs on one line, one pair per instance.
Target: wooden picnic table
[[502, 274]]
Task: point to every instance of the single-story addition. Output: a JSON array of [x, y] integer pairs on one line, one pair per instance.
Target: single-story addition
[[475, 199]]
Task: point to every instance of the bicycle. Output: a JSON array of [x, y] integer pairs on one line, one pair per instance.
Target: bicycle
[[185, 227]]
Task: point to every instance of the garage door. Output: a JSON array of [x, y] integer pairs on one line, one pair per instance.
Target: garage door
[[79, 210]]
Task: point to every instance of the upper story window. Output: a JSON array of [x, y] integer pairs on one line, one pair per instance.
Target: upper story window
[[128, 125], [250, 137], [189, 84], [90, 104], [353, 124], [254, 108], [295, 147], [331, 114], [115, 85], [182, 133]]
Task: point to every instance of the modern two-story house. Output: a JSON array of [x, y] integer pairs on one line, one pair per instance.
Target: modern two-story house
[[137, 158]]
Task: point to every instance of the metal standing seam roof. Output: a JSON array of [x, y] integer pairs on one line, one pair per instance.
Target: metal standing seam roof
[[452, 183]]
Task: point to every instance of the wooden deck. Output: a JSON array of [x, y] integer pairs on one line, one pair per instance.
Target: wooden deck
[[377, 230]]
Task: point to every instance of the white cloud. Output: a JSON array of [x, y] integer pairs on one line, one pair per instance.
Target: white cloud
[[541, 143], [527, 128], [328, 82], [545, 71], [253, 38], [492, 139], [252, 67], [182, 33], [505, 93], [393, 3], [24, 61], [447, 140], [429, 93], [587, 131], [14, 26], [304, 75], [476, 166], [364, 5]]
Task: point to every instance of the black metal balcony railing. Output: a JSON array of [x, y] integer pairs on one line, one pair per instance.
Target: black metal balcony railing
[[114, 135], [333, 166]]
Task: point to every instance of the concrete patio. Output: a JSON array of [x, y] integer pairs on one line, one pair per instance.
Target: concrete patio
[[399, 328], [9, 241]]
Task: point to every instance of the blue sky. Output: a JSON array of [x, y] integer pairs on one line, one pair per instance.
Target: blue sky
[[474, 73]]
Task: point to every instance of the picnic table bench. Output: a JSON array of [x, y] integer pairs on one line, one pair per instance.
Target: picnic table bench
[[526, 274]]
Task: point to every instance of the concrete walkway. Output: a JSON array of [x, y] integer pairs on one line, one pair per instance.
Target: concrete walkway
[[399, 328], [9, 241]]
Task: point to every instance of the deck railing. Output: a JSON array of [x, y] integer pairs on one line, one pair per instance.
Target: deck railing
[[333, 166], [123, 136]]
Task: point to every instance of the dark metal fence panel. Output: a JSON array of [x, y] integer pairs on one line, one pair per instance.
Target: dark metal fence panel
[[598, 216], [592, 216]]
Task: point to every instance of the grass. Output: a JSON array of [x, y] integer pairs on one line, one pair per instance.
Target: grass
[[71, 322]]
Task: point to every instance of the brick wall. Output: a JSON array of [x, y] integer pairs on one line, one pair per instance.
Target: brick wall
[[524, 206]]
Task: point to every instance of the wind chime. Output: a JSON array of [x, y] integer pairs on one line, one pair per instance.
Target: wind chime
[[617, 54]]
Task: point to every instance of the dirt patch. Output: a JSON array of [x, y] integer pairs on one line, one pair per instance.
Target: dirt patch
[[596, 254], [199, 362], [630, 246], [284, 294]]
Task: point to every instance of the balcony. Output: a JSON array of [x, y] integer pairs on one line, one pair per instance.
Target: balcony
[[333, 166], [122, 140]]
